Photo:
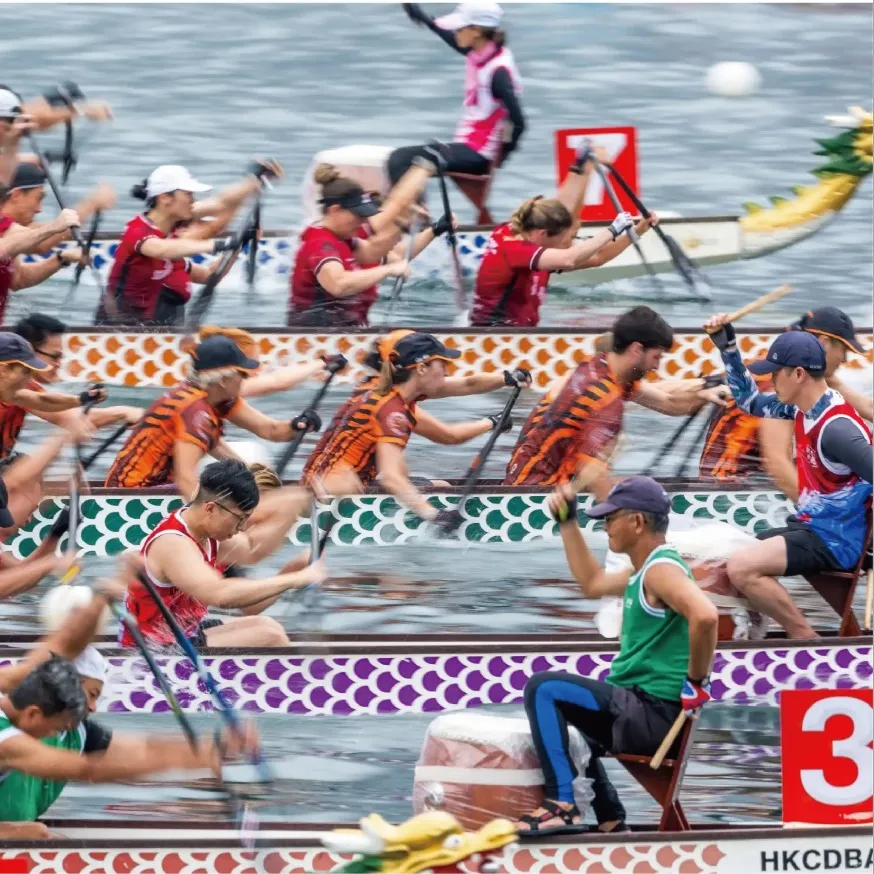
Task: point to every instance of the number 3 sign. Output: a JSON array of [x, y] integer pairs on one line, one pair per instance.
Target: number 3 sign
[[828, 763]]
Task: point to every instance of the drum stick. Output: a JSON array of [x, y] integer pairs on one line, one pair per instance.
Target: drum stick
[[656, 761], [760, 302]]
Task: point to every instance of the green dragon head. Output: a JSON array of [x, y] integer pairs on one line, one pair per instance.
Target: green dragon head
[[435, 841], [850, 152]]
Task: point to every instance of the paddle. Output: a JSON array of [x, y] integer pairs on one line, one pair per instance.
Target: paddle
[[632, 234], [225, 710], [684, 265], [415, 226], [104, 445], [460, 290], [334, 364], [80, 267], [450, 520], [656, 761], [203, 299], [252, 259], [760, 302]]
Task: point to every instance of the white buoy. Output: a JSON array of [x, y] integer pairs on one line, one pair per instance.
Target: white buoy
[[58, 604], [733, 79]]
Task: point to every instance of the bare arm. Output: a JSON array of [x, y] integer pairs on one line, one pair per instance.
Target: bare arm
[[174, 248], [576, 256], [340, 282], [449, 434], [45, 401], [247, 417], [863, 404], [676, 401], [229, 199], [461, 386], [186, 457], [670, 584], [775, 445], [281, 379], [26, 574], [29, 468], [617, 247], [400, 199], [394, 476], [101, 198], [20, 240], [208, 229]]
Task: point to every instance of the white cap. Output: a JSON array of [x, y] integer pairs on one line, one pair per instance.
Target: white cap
[[479, 14], [10, 103], [91, 664], [172, 177]]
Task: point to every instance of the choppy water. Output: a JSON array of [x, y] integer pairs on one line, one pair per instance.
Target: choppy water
[[209, 86]]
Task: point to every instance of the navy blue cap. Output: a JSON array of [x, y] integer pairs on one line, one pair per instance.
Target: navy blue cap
[[218, 352], [27, 176], [641, 493], [792, 349], [830, 322], [14, 349]]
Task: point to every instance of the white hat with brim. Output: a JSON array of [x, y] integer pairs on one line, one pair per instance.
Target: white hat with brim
[[172, 177], [471, 15], [91, 664], [10, 103]]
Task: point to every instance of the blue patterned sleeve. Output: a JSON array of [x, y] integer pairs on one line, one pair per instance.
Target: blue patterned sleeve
[[746, 393]]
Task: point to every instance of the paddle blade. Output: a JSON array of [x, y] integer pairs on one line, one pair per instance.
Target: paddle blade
[[688, 269]]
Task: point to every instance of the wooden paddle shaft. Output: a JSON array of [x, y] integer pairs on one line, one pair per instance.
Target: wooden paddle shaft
[[760, 302], [656, 761], [869, 600]]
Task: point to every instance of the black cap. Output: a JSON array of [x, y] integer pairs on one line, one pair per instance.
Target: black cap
[[217, 352], [27, 176], [358, 202], [16, 350], [416, 348], [634, 493], [6, 520], [830, 322], [792, 349]]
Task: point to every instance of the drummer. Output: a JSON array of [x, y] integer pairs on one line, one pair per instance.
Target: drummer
[[538, 241], [492, 90], [426, 425], [153, 246], [355, 245], [376, 426]]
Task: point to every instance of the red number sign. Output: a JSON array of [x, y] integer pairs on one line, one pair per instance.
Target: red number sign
[[620, 143], [828, 768]]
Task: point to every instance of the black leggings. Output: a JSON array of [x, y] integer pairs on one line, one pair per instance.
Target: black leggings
[[462, 159]]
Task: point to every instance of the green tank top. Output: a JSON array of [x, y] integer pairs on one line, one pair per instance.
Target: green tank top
[[654, 646], [24, 798]]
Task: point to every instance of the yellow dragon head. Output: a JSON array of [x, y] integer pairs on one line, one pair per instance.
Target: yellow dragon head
[[435, 841]]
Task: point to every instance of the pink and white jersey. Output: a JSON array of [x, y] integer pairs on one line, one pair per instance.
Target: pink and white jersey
[[482, 125], [832, 499]]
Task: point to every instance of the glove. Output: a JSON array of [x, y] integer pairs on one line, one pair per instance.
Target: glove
[[724, 338], [520, 376], [584, 154], [308, 420], [438, 154], [621, 224], [260, 170], [566, 512], [496, 420], [441, 226], [61, 525], [695, 694], [448, 521], [335, 363], [64, 94], [94, 394], [225, 244]]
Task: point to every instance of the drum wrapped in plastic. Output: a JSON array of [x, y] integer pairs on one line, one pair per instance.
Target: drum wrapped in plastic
[[478, 767]]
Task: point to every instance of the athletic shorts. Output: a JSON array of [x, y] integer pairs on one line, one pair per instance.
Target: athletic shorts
[[198, 639], [806, 552]]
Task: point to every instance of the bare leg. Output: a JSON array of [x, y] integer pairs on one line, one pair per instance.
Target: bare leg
[[753, 572], [247, 631]]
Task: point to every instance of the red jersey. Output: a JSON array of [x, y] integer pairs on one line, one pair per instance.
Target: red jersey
[[188, 611], [11, 422], [179, 281], [7, 268], [509, 287], [309, 303], [135, 280]]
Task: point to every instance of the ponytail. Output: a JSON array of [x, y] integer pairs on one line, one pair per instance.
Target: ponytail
[[538, 214], [335, 187], [140, 192], [495, 35]]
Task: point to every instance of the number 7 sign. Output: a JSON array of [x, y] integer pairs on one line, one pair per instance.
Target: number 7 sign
[[828, 764]]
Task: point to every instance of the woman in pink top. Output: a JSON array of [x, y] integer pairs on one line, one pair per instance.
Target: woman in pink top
[[492, 86]]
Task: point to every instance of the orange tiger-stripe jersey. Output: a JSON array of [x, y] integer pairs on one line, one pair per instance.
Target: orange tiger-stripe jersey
[[181, 415], [370, 419], [579, 423], [731, 445]]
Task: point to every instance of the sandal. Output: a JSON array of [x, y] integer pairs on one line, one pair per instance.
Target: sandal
[[553, 811]]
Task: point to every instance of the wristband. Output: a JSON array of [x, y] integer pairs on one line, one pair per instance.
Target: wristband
[[60, 256], [568, 514]]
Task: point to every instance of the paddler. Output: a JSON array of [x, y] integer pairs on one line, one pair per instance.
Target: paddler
[[426, 425], [182, 553], [833, 459], [355, 245], [48, 738], [739, 446], [377, 424], [538, 241], [669, 630], [582, 415], [154, 248], [187, 422], [492, 88]]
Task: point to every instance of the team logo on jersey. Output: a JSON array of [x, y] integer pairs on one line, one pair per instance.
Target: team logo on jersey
[[810, 456], [202, 426], [398, 424], [164, 271]]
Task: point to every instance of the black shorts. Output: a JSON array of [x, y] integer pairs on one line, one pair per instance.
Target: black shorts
[[198, 639], [806, 552]]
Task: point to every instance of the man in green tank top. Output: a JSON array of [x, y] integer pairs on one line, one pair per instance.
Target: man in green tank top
[[666, 648]]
